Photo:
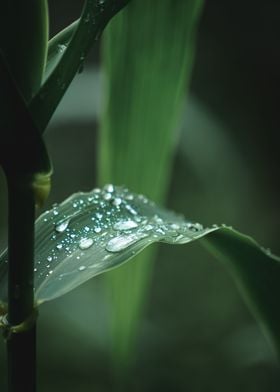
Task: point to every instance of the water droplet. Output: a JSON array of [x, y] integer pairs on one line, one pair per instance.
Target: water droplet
[[49, 258], [59, 246], [61, 48], [131, 209], [160, 231], [179, 238], [125, 225], [175, 226], [87, 18], [87, 228], [99, 216], [121, 242], [157, 219], [143, 199], [62, 226], [85, 243], [82, 268], [109, 188], [55, 212], [117, 201], [107, 196], [129, 197], [97, 229], [195, 226]]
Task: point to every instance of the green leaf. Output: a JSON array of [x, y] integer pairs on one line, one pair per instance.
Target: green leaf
[[57, 46], [91, 233], [148, 52], [72, 46]]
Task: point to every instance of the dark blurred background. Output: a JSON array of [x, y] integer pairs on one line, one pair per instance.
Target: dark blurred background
[[197, 334]]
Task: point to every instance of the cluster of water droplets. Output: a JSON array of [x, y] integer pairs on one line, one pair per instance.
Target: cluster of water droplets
[[93, 232]]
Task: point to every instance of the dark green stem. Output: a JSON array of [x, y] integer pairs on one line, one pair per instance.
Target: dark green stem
[[21, 346]]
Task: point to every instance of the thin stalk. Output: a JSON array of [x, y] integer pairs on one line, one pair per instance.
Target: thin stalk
[[21, 347]]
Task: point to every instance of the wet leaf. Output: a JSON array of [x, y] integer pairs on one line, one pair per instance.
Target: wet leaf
[[91, 233]]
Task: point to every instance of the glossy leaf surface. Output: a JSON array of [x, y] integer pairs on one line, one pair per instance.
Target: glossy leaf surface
[[91, 233]]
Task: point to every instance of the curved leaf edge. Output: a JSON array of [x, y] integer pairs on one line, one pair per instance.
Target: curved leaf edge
[[255, 269]]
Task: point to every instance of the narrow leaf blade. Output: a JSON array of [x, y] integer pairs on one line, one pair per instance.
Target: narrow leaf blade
[[95, 15]]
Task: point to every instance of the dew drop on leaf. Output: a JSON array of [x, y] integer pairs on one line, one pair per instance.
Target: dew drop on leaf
[[82, 268], [195, 226], [121, 242], [117, 201], [109, 188], [61, 48], [131, 209], [107, 196], [125, 225], [85, 243], [62, 226]]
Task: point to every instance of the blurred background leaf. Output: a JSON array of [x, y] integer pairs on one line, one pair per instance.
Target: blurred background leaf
[[148, 61], [192, 337]]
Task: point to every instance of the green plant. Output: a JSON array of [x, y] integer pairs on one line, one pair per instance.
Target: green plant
[[30, 92], [106, 227]]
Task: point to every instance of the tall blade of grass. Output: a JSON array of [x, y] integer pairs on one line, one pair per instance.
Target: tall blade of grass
[[148, 54]]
